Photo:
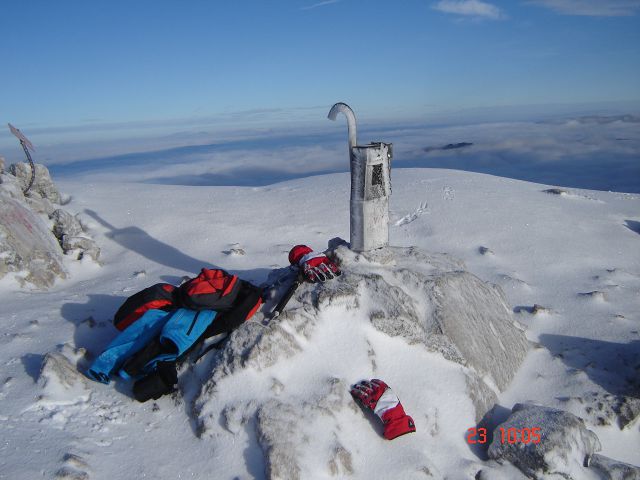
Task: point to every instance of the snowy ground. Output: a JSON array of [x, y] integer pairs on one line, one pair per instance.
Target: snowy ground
[[576, 254]]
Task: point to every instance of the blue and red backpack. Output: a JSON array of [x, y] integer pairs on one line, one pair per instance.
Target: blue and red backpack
[[162, 323]]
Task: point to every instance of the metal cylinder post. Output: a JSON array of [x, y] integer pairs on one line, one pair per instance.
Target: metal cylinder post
[[370, 187]]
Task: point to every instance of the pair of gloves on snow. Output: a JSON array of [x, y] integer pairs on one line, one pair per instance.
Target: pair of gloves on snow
[[374, 395]]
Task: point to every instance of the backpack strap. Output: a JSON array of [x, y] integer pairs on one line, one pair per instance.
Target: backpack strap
[[247, 303]]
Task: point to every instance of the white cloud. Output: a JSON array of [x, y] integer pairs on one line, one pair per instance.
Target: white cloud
[[469, 8], [586, 151], [320, 4], [596, 8]]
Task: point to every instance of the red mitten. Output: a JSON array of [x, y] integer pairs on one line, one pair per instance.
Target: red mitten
[[315, 266], [377, 396]]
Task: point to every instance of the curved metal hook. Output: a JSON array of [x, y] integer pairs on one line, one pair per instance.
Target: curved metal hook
[[351, 120]]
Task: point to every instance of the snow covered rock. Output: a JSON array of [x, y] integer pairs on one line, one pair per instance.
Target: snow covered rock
[[289, 379], [27, 245], [1, 164], [476, 318], [65, 224], [39, 204], [60, 381], [600, 408], [564, 447], [282, 431], [42, 185], [10, 186], [71, 235], [610, 469]]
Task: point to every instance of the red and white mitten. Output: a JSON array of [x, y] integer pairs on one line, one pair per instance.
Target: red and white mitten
[[315, 266], [377, 396]]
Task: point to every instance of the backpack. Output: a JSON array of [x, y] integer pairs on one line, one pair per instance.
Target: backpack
[[214, 302], [155, 366]]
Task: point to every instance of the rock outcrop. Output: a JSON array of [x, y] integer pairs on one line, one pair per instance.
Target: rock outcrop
[[29, 246]]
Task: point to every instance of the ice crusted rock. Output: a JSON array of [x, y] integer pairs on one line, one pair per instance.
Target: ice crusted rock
[[27, 245], [476, 318], [11, 187], [65, 224], [564, 448], [72, 237], [610, 469], [39, 204], [42, 185]]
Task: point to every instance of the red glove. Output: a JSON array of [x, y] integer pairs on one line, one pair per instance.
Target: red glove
[[315, 266], [377, 396]]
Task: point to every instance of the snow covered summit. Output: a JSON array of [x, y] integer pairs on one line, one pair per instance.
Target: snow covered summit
[[548, 252]]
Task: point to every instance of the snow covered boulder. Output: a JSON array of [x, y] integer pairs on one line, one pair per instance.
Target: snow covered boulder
[[432, 300], [564, 447], [27, 245], [417, 320]]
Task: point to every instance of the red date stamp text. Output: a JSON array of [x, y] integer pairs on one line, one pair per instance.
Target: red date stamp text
[[506, 435]]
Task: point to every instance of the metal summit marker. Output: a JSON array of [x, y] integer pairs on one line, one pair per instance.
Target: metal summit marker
[[26, 146], [370, 187]]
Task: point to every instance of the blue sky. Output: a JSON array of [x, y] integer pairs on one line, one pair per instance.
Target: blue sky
[[77, 62], [237, 92]]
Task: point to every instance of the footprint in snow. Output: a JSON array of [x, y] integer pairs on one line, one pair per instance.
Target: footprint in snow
[[596, 295], [534, 310], [485, 251], [74, 468], [568, 194]]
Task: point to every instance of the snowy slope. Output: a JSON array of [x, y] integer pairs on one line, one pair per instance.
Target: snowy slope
[[542, 248]]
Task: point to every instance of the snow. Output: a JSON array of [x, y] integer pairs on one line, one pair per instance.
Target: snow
[[543, 249]]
